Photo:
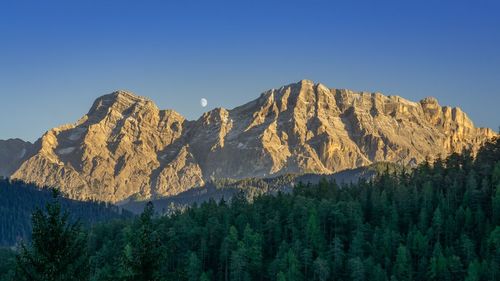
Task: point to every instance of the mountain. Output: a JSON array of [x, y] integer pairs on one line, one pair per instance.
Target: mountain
[[13, 152], [125, 147]]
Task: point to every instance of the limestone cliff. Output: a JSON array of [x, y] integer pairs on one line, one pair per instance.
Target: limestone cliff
[[13, 152], [114, 152], [126, 147]]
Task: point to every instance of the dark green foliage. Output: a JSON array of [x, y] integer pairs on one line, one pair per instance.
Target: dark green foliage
[[7, 264], [441, 222], [438, 223], [142, 249], [58, 250], [18, 200], [193, 267]]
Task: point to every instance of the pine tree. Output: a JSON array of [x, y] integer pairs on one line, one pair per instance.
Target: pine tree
[[142, 251], [474, 271], [468, 249], [313, 232], [357, 269], [357, 244], [307, 259], [494, 253], [495, 175], [58, 249], [496, 205], [7, 264], [193, 267], [228, 245], [437, 224], [438, 265], [239, 264], [293, 267], [252, 242], [321, 269], [402, 267], [337, 256]]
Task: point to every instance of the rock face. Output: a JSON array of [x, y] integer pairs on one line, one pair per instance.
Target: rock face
[[114, 152], [13, 152], [126, 147]]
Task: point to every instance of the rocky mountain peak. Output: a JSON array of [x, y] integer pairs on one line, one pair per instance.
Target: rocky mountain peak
[[124, 96], [119, 103], [125, 147], [12, 153], [215, 116], [429, 101]]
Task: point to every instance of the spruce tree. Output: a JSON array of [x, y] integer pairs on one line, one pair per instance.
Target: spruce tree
[[58, 248], [142, 251], [402, 267], [193, 267]]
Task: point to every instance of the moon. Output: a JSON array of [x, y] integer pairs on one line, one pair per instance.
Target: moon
[[203, 102]]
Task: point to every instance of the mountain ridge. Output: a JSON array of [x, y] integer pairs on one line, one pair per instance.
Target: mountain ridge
[[12, 153], [126, 146]]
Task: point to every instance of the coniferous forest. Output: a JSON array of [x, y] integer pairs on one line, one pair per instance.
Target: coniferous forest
[[440, 221], [18, 200]]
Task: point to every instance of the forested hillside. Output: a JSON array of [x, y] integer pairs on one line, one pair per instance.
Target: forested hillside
[[18, 200], [218, 189], [441, 222]]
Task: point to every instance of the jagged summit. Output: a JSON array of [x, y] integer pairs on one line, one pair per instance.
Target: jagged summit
[[119, 97], [429, 100], [12, 153], [123, 95], [126, 147], [118, 101]]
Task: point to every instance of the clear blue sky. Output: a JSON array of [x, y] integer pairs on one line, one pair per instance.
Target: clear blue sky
[[56, 57]]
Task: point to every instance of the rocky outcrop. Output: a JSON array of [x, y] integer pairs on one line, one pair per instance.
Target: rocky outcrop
[[118, 150], [12, 154], [125, 147]]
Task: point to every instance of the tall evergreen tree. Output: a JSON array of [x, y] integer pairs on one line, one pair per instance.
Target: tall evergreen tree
[[239, 264], [402, 266], [194, 269], [58, 248], [321, 269], [337, 256], [292, 270], [356, 269], [229, 244], [142, 251], [496, 205]]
